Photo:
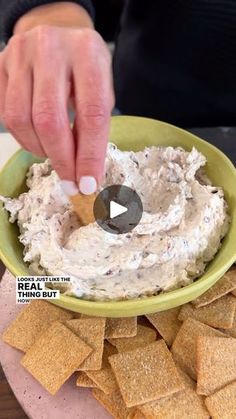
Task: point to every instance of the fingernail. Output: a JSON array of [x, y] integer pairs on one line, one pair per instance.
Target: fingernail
[[87, 185], [70, 188]]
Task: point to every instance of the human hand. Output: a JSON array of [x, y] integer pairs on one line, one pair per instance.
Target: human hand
[[40, 71]]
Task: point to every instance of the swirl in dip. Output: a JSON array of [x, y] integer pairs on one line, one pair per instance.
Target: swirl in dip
[[183, 223]]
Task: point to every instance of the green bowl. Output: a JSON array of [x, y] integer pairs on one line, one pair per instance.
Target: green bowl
[[130, 133]]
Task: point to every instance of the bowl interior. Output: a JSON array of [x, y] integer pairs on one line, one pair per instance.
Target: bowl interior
[[130, 133]]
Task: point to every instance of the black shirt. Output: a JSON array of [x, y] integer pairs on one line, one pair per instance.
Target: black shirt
[[175, 60]]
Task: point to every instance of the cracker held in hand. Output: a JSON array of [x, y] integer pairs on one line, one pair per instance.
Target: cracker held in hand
[[219, 313], [185, 343], [222, 404], [166, 323], [146, 374], [54, 357], [145, 335], [83, 206], [121, 327], [216, 363], [34, 319], [91, 331], [222, 287]]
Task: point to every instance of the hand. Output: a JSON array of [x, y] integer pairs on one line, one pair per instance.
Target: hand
[[40, 71]]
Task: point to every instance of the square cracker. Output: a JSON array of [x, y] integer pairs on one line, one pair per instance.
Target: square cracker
[[182, 405], [91, 331], [146, 373], [232, 331], [121, 327], [185, 404], [84, 381], [34, 319], [83, 206], [55, 356], [113, 403], [105, 378], [144, 336], [166, 323], [222, 287], [136, 415], [222, 404], [216, 363], [219, 313], [184, 345]]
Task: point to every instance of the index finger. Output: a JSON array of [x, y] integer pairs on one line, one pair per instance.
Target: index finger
[[93, 102]]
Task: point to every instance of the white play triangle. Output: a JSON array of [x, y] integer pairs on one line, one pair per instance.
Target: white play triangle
[[116, 209]]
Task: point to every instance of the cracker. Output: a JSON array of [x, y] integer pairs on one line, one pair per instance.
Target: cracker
[[91, 331], [222, 404], [105, 378], [144, 336], [145, 322], [146, 373], [216, 363], [121, 327], [107, 352], [84, 381], [113, 403], [136, 415], [232, 331], [77, 315], [188, 381], [166, 323], [54, 356], [185, 404], [83, 206], [219, 313], [184, 345], [222, 287], [34, 319], [182, 405]]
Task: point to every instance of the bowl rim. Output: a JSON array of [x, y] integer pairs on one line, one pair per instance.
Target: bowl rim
[[136, 306]]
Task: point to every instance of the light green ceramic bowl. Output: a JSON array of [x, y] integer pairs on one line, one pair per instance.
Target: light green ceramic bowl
[[130, 133]]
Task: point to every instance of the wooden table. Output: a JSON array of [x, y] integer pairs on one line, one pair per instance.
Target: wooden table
[[9, 406]]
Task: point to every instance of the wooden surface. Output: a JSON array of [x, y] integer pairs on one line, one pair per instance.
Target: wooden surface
[[9, 406]]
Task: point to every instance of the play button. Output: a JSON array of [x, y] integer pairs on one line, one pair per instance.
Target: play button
[[118, 209]]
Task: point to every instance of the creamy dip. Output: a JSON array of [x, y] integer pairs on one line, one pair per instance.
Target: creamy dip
[[183, 223]]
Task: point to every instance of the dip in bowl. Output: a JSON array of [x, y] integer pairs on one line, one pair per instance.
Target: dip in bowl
[[132, 133]]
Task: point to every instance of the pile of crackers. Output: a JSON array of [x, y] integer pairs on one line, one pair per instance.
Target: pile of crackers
[[179, 363]]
